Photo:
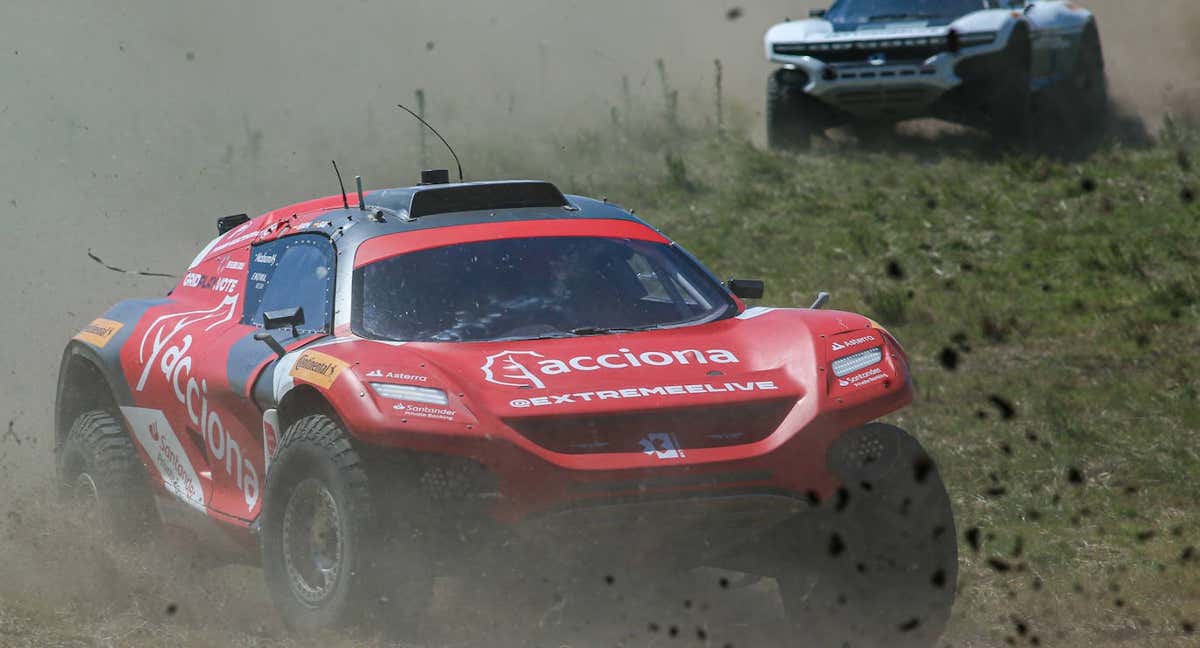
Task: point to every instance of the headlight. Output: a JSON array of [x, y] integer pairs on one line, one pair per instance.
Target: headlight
[[411, 393], [852, 363]]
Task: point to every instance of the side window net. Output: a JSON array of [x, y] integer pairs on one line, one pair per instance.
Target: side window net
[[290, 272]]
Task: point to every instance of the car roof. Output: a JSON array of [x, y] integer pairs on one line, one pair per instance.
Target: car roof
[[391, 211]]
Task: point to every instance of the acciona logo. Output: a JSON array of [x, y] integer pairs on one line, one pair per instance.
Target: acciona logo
[[167, 347], [528, 368]]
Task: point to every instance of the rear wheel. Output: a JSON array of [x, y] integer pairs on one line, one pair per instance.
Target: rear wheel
[[100, 469], [327, 557], [880, 567]]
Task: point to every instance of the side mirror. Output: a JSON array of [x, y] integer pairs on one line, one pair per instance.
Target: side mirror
[[816, 13], [745, 288], [284, 317]]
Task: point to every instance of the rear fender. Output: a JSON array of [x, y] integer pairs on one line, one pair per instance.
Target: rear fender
[[90, 374]]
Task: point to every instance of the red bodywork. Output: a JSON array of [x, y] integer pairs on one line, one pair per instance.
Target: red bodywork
[[745, 404]]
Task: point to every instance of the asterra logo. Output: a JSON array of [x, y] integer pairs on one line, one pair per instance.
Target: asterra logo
[[505, 369]]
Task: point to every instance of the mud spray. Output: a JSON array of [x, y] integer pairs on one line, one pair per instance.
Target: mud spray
[[128, 127]]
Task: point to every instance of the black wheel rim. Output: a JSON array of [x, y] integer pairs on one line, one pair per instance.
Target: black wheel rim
[[313, 546]]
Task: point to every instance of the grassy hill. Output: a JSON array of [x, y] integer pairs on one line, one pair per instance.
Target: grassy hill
[[1050, 309]]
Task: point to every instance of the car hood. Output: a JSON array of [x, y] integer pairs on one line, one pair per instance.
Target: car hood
[[815, 30], [762, 355], [733, 382]]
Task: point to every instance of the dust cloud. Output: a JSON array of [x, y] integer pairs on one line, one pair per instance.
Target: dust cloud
[[129, 126]]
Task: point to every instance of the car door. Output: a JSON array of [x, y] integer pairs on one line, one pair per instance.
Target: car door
[[193, 369], [286, 273], [169, 365]]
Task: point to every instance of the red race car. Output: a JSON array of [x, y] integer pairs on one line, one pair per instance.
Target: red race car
[[364, 394]]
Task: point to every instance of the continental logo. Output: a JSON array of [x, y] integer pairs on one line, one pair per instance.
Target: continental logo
[[99, 332], [318, 368]]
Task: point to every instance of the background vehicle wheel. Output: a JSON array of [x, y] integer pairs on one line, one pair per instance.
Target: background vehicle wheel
[[792, 116], [1088, 84], [326, 555], [1011, 104], [1073, 116], [99, 467], [885, 563]]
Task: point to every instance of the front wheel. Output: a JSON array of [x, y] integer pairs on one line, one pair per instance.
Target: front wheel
[[793, 117], [324, 548], [881, 565]]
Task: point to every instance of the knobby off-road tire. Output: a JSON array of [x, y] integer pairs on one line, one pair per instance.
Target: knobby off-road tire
[[328, 557], [883, 561], [1088, 86], [1010, 106], [791, 116], [99, 467], [1073, 115]]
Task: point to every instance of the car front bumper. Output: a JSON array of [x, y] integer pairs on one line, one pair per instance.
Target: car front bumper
[[887, 90]]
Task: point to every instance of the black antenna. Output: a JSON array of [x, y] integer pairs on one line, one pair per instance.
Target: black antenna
[[448, 147], [345, 204]]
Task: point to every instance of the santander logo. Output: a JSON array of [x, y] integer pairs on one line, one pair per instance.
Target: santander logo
[[528, 368]]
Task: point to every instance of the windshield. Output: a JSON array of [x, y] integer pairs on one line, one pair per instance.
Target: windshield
[[534, 287], [861, 11]]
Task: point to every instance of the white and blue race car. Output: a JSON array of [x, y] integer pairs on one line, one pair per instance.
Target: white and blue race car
[[1004, 66]]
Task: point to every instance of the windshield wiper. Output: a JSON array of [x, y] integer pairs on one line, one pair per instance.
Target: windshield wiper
[[581, 331], [541, 336], [600, 330], [900, 16]]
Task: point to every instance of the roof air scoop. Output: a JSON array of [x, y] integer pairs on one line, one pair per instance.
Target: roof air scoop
[[485, 196], [435, 176]]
